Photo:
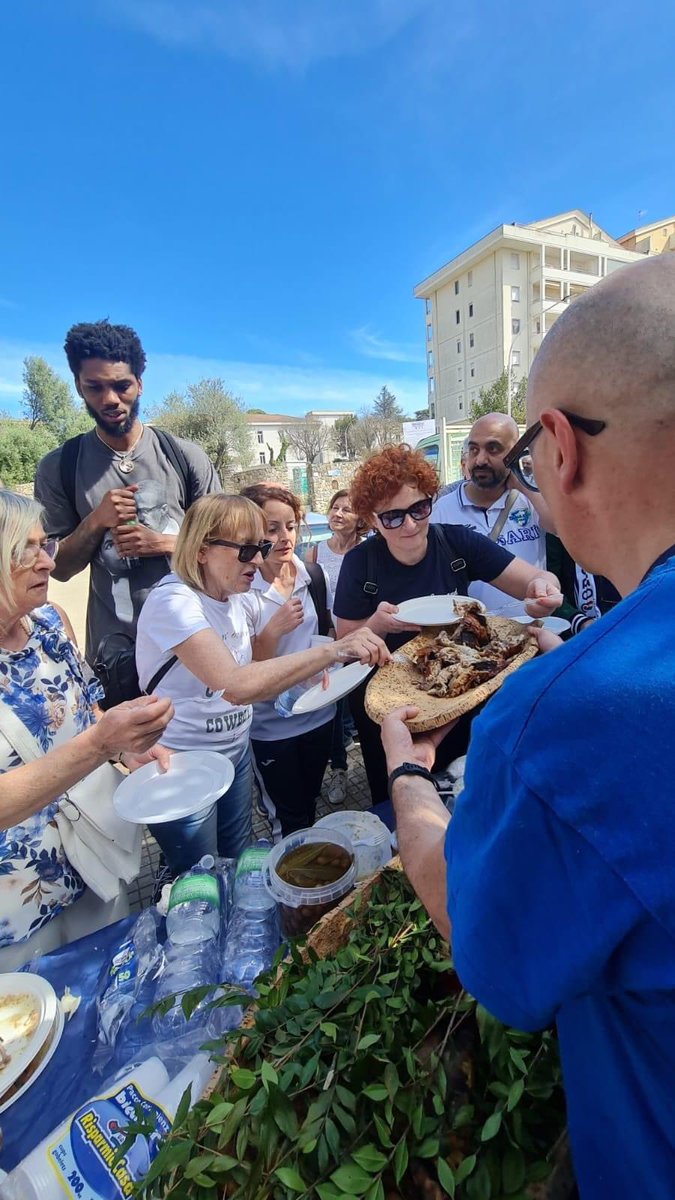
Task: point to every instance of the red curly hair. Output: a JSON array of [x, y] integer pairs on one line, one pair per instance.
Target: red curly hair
[[385, 473]]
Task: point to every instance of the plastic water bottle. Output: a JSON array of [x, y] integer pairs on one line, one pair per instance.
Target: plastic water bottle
[[284, 703], [194, 905], [186, 966], [252, 936], [249, 890]]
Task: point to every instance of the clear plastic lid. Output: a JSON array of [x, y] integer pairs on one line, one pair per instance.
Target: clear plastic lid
[[362, 828], [296, 897]]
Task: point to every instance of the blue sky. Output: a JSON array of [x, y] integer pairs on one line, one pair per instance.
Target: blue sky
[[257, 185]]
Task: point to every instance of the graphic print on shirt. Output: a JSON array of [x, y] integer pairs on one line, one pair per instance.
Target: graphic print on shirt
[[152, 511]]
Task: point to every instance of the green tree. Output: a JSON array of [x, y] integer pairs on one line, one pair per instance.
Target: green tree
[[386, 406], [208, 414], [422, 414], [21, 449], [48, 401], [496, 398], [343, 436]]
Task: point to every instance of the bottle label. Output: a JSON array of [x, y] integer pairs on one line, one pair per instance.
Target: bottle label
[[251, 860], [123, 967], [195, 887], [85, 1156]]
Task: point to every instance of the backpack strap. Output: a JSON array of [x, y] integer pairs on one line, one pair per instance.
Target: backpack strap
[[317, 590], [70, 454], [159, 675], [179, 463], [456, 564], [501, 520], [370, 586]]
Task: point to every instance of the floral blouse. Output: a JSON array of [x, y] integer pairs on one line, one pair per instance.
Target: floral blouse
[[50, 688]]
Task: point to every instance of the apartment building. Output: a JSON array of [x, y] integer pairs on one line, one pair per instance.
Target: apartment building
[[657, 238], [267, 429], [488, 309]]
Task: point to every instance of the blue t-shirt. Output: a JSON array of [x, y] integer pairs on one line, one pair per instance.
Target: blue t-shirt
[[446, 567], [561, 881]]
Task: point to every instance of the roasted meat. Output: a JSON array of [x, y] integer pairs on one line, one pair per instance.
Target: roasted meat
[[454, 663]]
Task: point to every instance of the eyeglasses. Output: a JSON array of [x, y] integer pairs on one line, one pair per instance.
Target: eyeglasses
[[30, 554], [247, 550], [393, 518], [519, 459]]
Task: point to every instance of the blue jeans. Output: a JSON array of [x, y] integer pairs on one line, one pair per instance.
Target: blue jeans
[[225, 829]]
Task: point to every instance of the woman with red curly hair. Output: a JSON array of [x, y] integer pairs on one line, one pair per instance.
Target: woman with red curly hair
[[394, 492]]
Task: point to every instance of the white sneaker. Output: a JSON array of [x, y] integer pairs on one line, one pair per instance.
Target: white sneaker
[[336, 792]]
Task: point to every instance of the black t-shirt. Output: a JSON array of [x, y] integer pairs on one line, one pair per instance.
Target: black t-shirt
[[470, 556]]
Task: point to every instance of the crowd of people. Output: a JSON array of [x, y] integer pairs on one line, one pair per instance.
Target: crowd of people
[[554, 873]]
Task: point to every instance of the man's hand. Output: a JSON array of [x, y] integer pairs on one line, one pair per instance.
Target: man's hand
[[542, 597], [383, 621], [286, 619], [159, 754], [399, 744], [117, 506], [134, 725], [138, 541]]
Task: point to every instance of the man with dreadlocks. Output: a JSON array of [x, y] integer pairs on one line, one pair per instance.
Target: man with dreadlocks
[[116, 496]]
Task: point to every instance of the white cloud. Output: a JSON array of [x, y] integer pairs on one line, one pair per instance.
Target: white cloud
[[275, 387], [277, 34], [371, 345]]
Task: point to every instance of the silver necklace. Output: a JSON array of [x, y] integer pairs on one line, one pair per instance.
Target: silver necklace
[[123, 458]]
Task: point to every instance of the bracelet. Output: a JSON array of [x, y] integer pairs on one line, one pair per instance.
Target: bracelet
[[408, 768], [118, 758]]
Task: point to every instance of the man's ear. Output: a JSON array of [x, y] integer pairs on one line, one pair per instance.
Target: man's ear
[[140, 385], [565, 459]]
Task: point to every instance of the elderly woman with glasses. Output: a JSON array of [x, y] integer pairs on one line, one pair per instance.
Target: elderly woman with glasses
[[194, 629], [48, 697], [394, 492]]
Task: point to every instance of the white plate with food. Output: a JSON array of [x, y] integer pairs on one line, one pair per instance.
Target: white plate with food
[[340, 683], [37, 1064], [195, 779], [553, 624], [28, 1011], [434, 610]]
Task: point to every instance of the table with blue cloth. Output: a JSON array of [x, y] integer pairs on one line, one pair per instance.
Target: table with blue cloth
[[68, 1079]]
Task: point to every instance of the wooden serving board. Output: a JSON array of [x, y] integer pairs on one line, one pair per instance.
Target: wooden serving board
[[398, 683]]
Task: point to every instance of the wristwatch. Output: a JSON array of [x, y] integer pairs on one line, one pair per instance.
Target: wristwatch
[[409, 768]]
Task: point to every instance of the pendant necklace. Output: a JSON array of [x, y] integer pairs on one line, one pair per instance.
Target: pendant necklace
[[123, 458]]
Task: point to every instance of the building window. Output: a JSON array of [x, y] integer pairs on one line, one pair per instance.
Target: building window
[[261, 437], [473, 371], [432, 385], [457, 287], [430, 333], [515, 262], [427, 307], [471, 310], [469, 278], [538, 326], [461, 406], [515, 326], [459, 347], [471, 340], [459, 375], [262, 457], [430, 358], [432, 411], [515, 358], [515, 295], [457, 316]]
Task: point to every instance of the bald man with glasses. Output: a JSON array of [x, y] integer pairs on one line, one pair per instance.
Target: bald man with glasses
[[555, 877]]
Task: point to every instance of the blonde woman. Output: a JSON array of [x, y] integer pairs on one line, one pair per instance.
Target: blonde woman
[[196, 616], [48, 696]]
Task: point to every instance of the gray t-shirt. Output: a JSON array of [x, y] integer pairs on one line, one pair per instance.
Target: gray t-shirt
[[118, 586]]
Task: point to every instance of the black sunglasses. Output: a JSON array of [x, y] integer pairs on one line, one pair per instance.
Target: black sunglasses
[[519, 459], [393, 518], [247, 550]]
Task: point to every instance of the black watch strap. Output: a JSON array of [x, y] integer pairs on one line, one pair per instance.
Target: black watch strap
[[408, 768]]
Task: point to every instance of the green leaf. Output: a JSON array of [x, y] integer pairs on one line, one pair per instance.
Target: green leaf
[[382, 1131], [515, 1093], [491, 1127], [326, 1191], [446, 1176], [391, 1080], [478, 1186], [218, 1113], [370, 1158], [268, 1074], [538, 1171], [291, 1179], [369, 1040], [330, 1029], [242, 1078], [463, 1116], [465, 1168], [428, 1149], [513, 1170], [332, 1134], [375, 1091], [196, 1165], [400, 1161], [352, 1180]]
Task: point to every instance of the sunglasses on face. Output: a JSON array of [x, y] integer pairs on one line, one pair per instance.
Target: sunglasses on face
[[247, 550], [393, 518], [519, 459]]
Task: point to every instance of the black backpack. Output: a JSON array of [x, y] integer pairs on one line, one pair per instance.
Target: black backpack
[[70, 454], [371, 587], [317, 590]]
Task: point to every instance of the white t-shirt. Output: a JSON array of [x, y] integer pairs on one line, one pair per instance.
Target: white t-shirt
[[172, 613], [522, 535], [260, 605]]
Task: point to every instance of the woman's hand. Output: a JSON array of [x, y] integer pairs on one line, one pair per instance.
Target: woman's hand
[[542, 597], [383, 621], [159, 754], [134, 725], [286, 619], [544, 638], [364, 645]]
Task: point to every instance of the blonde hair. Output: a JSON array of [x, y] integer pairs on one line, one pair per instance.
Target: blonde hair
[[230, 517], [18, 517]]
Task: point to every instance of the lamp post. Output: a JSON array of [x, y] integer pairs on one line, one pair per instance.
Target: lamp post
[[509, 393]]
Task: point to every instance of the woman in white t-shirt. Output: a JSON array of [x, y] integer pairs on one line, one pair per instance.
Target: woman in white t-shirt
[[290, 753], [196, 616]]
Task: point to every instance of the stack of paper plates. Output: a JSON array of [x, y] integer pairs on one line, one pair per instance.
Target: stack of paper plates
[[31, 1024]]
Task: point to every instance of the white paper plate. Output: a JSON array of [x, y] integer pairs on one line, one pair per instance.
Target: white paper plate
[[28, 1010], [553, 624], [41, 1059], [194, 780], [432, 610], [341, 682]]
